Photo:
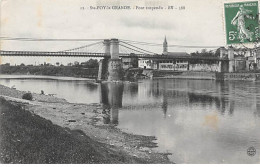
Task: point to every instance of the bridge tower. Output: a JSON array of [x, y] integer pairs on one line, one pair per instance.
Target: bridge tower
[[223, 65], [231, 59], [107, 46], [220, 63], [110, 68], [103, 63], [114, 64]]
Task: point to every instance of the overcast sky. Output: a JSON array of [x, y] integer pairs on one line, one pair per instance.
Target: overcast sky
[[200, 24]]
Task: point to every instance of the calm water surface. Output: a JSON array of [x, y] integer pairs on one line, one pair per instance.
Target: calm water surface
[[198, 121]]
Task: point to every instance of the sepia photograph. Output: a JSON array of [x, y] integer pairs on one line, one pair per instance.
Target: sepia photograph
[[129, 82]]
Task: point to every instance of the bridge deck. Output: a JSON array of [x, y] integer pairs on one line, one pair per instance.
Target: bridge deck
[[102, 55]]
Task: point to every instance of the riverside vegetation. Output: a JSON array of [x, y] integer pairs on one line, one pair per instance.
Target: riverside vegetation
[[87, 69]]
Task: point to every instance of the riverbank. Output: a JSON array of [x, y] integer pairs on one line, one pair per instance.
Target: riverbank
[[51, 130], [62, 78], [49, 70], [184, 75], [203, 75]]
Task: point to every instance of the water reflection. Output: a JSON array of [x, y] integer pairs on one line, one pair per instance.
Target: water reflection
[[111, 99], [164, 104], [199, 121], [72, 91], [7, 81]]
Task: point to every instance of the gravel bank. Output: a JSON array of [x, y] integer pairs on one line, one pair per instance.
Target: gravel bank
[[6, 91], [85, 120]]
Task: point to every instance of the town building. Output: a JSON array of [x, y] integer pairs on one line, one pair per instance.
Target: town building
[[146, 64], [174, 65], [243, 59], [240, 60]]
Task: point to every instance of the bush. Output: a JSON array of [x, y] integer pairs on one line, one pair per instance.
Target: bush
[[27, 96]]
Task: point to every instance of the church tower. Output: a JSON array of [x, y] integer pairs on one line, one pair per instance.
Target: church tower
[[165, 46]]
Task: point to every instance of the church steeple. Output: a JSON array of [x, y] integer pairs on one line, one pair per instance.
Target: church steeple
[[165, 46]]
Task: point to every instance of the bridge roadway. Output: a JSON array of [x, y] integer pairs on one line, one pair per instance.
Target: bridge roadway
[[103, 55]]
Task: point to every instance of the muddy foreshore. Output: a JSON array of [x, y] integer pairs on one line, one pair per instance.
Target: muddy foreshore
[[89, 140]]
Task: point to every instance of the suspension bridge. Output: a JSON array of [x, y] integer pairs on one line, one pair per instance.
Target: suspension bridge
[[101, 49], [111, 50]]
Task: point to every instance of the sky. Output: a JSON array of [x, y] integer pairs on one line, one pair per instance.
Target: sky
[[201, 23]]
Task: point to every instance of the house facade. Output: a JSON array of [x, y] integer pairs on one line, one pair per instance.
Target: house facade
[[146, 64], [178, 65]]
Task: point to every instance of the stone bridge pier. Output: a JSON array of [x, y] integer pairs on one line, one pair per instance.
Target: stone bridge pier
[[227, 66], [231, 58], [110, 68]]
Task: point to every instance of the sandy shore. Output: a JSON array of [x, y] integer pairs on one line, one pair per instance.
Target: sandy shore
[[88, 119]]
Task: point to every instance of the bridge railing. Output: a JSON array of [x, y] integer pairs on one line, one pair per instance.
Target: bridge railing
[[87, 54], [57, 54]]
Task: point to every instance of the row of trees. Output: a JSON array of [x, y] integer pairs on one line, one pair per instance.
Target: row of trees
[[206, 53], [92, 63], [87, 69]]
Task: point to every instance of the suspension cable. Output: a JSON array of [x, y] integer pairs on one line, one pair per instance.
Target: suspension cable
[[68, 50], [156, 44], [132, 49], [45, 39], [137, 47]]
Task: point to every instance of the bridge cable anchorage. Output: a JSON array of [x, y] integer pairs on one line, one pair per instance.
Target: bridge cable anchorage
[[138, 48], [81, 47], [156, 44], [132, 49], [45, 39]]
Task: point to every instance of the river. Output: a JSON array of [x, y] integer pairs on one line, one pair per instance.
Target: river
[[198, 121]]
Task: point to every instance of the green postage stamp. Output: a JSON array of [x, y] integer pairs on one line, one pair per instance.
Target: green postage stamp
[[242, 23]]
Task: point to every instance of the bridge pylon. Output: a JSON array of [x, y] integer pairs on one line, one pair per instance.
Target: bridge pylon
[[231, 59], [106, 44], [111, 68]]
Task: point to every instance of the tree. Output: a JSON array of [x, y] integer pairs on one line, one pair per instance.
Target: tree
[[204, 51], [92, 63], [217, 53], [76, 63]]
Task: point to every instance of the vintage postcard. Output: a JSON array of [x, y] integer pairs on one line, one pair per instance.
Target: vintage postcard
[[129, 82]]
